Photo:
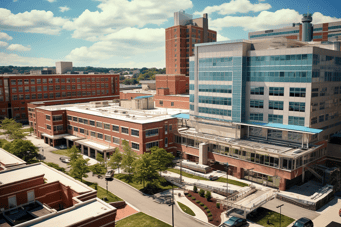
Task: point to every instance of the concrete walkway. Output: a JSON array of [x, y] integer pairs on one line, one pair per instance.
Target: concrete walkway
[[329, 213], [199, 214]]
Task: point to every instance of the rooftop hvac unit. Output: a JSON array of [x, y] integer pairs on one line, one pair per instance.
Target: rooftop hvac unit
[[128, 115], [124, 112], [115, 111]]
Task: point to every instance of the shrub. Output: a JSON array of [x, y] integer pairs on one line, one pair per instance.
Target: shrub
[[208, 195], [96, 185], [218, 205], [208, 210], [205, 207], [193, 197], [209, 215], [195, 189], [201, 204], [202, 193], [210, 218], [189, 195], [198, 201]]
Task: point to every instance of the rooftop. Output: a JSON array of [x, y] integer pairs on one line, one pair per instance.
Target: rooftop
[[73, 215], [9, 159], [48, 75], [38, 169], [140, 91], [61, 100], [114, 111]]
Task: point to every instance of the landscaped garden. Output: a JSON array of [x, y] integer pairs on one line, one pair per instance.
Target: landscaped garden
[[209, 205], [186, 209], [265, 216], [141, 220]]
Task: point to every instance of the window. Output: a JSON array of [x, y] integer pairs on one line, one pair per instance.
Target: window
[[85, 122], [257, 91], [69, 118], [57, 80], [172, 103], [13, 82], [30, 196], [274, 134], [75, 129], [58, 128], [99, 135], [134, 132], [19, 81], [166, 142], [80, 120], [116, 140], [92, 123], [313, 120], [135, 146], [276, 91], [48, 117], [26, 81], [272, 118], [256, 116], [297, 106], [38, 88], [57, 118], [296, 120], [75, 119], [116, 128], [93, 134], [106, 126], [33, 81], [152, 132], [323, 91], [321, 118], [161, 103], [124, 130], [27, 88], [12, 201], [257, 104], [38, 81], [99, 124], [275, 105], [152, 144], [48, 127], [107, 138]]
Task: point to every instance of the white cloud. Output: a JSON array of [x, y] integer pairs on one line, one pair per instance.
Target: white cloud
[[5, 36], [235, 6], [265, 20], [124, 43], [14, 59], [18, 47], [113, 15], [51, 1], [35, 21], [3, 44], [63, 9], [221, 38]]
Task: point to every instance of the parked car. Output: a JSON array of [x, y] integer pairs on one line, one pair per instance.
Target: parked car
[[211, 177], [66, 160], [110, 174], [234, 222], [303, 222]]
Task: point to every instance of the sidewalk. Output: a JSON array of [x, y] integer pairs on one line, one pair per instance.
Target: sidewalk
[[329, 213]]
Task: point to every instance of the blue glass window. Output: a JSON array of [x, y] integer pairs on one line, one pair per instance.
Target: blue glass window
[[276, 105], [257, 103], [297, 106], [215, 100], [256, 116], [214, 111], [276, 91], [272, 118], [215, 88], [297, 92], [296, 120], [257, 91]]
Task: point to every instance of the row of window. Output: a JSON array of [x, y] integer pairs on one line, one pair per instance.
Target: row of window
[[57, 87], [54, 117], [278, 105], [277, 119], [57, 80], [221, 112], [214, 88], [58, 95], [215, 100]]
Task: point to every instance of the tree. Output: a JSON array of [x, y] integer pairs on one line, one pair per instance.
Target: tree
[[100, 158], [202, 193], [23, 149], [12, 128], [74, 153], [31, 130], [208, 195], [128, 158], [162, 158], [115, 159], [98, 169], [145, 169], [79, 168]]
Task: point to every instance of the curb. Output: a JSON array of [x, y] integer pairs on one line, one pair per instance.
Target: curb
[[193, 217], [133, 187]]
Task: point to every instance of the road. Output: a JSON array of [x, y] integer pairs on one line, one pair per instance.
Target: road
[[143, 203]]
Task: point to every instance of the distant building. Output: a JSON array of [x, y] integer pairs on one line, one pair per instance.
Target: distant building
[[62, 67], [180, 40]]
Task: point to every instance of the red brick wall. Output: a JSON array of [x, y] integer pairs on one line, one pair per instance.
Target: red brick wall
[[177, 84], [178, 101], [131, 95]]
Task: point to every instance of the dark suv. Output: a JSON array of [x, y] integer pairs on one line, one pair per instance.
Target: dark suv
[[303, 222]]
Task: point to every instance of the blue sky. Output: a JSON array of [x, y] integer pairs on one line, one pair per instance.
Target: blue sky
[[130, 33]]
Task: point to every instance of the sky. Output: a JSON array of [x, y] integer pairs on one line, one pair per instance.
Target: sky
[[131, 33]]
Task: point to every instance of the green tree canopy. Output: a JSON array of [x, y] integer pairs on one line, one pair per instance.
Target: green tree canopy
[[12, 128], [115, 159], [162, 158], [100, 158], [79, 168], [128, 157], [98, 169], [23, 149], [145, 169], [74, 153]]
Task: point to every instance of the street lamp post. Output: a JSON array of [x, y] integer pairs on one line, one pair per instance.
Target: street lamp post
[[280, 214], [227, 179]]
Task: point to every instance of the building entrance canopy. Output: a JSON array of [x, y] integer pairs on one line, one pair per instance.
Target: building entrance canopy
[[97, 146]]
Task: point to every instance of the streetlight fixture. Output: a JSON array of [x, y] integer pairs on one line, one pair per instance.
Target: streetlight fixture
[[227, 179], [280, 214]]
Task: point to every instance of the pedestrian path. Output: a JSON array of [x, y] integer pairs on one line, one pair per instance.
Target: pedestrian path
[[199, 214], [329, 213]]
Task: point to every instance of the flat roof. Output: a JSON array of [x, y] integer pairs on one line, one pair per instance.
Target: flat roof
[[71, 216], [61, 100], [95, 145], [114, 111], [7, 158], [295, 128], [88, 75], [139, 91], [143, 97], [181, 115], [38, 169]]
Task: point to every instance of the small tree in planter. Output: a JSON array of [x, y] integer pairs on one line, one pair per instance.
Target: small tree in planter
[[202, 193], [195, 189], [218, 205], [208, 195]]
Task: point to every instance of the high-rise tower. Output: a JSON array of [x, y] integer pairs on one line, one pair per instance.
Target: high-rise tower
[[307, 34]]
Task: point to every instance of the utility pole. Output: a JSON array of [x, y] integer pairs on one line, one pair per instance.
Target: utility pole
[[280, 214]]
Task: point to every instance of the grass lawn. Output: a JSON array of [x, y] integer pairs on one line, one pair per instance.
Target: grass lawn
[[141, 220], [101, 192], [220, 179], [159, 187], [25, 130], [186, 209], [265, 214], [61, 152]]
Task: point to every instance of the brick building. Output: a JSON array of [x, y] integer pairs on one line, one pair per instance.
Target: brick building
[[180, 40], [100, 127], [18, 90], [38, 195]]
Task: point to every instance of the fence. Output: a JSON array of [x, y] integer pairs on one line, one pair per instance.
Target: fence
[[242, 193], [221, 191]]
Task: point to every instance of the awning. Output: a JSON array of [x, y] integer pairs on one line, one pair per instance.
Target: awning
[[97, 146], [72, 138], [55, 137]]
